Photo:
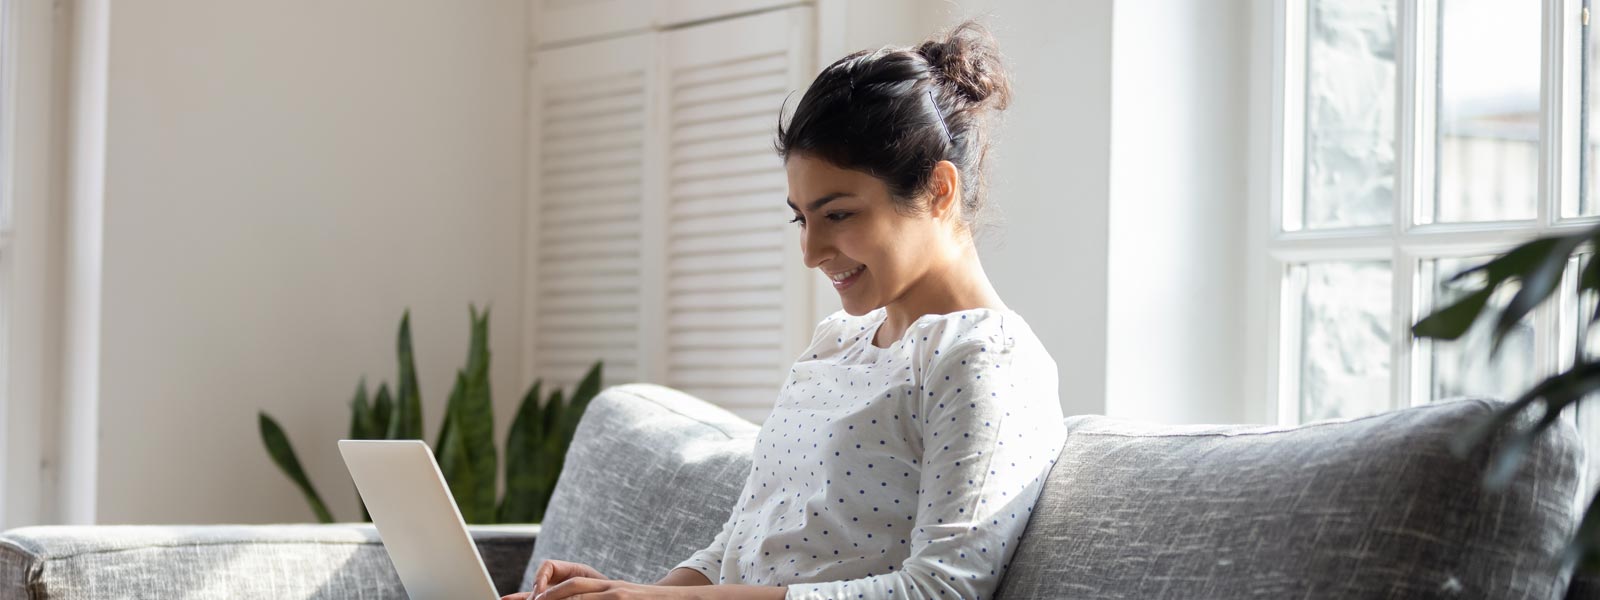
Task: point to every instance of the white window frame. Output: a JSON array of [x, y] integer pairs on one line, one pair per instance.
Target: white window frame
[[1409, 239]]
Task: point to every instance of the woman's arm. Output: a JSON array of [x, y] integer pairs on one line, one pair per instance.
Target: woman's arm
[[683, 576]]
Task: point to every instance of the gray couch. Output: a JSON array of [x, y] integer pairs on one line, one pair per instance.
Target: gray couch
[[1370, 507]]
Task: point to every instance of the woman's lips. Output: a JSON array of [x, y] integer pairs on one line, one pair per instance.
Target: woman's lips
[[850, 278]]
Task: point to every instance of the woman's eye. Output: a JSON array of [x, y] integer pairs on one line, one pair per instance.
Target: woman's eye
[[798, 220], [838, 216]]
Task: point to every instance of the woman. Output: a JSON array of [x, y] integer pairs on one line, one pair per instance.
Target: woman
[[907, 447]]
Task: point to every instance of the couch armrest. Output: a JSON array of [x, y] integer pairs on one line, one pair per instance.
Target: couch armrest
[[326, 562]]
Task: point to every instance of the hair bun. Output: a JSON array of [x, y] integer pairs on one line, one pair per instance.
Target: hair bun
[[968, 60]]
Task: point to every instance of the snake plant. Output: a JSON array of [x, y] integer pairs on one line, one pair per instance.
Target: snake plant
[[536, 444]]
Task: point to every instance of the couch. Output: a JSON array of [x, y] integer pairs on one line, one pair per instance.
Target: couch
[[1367, 507]]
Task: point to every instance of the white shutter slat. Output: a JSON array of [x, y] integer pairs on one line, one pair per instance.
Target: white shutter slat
[[571, 214], [626, 152], [767, 177], [716, 282], [717, 263], [767, 239], [736, 201], [758, 379], [610, 229], [587, 248], [729, 302], [738, 145], [712, 318], [719, 167], [594, 193], [705, 73], [587, 343], [592, 102], [725, 127], [742, 400], [725, 308], [731, 299]]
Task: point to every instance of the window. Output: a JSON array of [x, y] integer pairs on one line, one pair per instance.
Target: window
[[1411, 140]]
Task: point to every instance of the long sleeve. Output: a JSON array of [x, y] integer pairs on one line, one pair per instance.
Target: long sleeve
[[991, 428]]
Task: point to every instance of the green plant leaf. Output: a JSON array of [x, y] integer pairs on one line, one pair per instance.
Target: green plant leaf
[[360, 412], [455, 462], [1570, 387], [363, 426], [522, 497], [406, 423], [478, 348], [282, 453], [1538, 281], [1479, 432], [474, 421], [587, 389], [552, 450], [477, 362], [467, 440], [1451, 322], [553, 419], [382, 413], [1513, 263]]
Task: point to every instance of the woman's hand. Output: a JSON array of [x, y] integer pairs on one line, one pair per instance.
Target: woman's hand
[[586, 588], [555, 572]]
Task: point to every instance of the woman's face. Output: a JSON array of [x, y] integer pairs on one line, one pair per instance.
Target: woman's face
[[851, 231]]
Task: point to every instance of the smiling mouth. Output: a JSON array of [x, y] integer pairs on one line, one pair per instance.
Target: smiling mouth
[[845, 279]]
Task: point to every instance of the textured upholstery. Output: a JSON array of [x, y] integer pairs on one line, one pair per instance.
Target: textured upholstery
[[1375, 507], [650, 478], [1362, 508], [344, 561], [1365, 508]]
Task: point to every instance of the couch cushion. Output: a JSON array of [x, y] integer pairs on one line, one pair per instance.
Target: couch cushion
[[650, 478], [1359, 508], [225, 561]]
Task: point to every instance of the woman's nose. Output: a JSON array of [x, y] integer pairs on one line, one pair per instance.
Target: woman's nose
[[813, 248]]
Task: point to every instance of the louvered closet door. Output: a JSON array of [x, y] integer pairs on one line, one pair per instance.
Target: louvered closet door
[[588, 115], [736, 294]]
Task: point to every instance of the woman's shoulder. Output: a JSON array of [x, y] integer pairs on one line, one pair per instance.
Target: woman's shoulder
[[979, 329]]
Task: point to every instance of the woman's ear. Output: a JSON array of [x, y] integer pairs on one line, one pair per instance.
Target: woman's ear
[[945, 190]]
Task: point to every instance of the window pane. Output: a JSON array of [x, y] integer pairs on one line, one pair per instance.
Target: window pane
[[1487, 152], [1350, 120], [1463, 367], [1344, 338]]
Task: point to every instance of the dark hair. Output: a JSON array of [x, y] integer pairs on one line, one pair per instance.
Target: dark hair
[[872, 111]]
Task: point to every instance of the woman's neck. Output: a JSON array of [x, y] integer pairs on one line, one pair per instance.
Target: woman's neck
[[960, 285]]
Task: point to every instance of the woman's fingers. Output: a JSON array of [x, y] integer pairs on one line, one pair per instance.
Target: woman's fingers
[[575, 586], [541, 580]]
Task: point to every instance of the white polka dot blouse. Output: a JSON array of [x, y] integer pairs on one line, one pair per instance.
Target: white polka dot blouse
[[900, 472]]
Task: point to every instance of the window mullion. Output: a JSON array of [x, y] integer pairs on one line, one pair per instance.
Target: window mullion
[[1561, 105], [1415, 59]]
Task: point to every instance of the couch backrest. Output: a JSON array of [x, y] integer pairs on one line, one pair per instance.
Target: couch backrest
[[650, 478], [1363, 508]]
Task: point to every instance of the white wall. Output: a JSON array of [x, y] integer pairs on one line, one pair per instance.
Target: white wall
[[273, 201], [1176, 342], [283, 179], [1048, 257]]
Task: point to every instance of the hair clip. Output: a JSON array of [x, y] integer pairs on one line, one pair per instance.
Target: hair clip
[[942, 126]]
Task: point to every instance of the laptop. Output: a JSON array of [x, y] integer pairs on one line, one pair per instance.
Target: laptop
[[417, 520]]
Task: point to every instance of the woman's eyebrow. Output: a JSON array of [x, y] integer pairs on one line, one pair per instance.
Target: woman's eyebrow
[[816, 204]]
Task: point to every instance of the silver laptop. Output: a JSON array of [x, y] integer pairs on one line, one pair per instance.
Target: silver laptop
[[418, 520]]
